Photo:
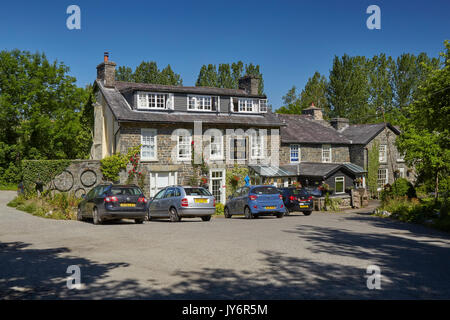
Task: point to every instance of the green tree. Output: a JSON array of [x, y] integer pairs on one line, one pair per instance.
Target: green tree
[[208, 76], [147, 72], [291, 102], [380, 71], [225, 77], [124, 73], [168, 77], [425, 138]]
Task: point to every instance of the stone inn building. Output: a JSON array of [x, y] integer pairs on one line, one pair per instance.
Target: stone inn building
[[179, 126]]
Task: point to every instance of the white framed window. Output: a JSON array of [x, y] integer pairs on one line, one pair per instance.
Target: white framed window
[[339, 184], [257, 145], [263, 105], [326, 153], [382, 153], [216, 187], [184, 151], [295, 153], [238, 148], [149, 144], [216, 147], [148, 100], [401, 172], [246, 105], [203, 103], [401, 158], [382, 178]]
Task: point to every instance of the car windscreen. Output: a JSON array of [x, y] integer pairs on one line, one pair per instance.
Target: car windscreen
[[125, 191], [196, 192], [299, 192], [265, 190]]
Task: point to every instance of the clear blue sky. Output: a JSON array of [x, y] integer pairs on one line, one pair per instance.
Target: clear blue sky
[[290, 40]]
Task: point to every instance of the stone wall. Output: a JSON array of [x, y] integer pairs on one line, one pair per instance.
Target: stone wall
[[313, 153]]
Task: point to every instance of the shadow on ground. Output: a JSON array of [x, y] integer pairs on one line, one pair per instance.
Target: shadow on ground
[[410, 270]]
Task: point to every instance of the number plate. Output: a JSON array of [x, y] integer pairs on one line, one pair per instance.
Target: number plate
[[201, 200], [128, 205], [268, 208], [304, 206]]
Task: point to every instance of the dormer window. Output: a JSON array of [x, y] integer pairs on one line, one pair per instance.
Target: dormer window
[[263, 105], [202, 103], [246, 105], [148, 100]]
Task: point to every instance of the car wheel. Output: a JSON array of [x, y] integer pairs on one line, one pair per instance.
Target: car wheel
[[206, 218], [96, 217], [173, 215], [286, 211], [280, 215], [139, 221], [226, 213], [248, 214], [307, 213], [79, 215]]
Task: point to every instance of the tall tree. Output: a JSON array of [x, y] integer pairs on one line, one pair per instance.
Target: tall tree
[[380, 71], [168, 77], [237, 70], [208, 76], [225, 77], [291, 102], [124, 73], [147, 72]]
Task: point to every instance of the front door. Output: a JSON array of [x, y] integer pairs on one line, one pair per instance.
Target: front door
[[160, 180], [216, 187]]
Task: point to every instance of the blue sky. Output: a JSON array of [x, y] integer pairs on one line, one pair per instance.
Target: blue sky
[[290, 40]]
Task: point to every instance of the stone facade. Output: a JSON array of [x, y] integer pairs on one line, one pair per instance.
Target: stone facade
[[313, 153]]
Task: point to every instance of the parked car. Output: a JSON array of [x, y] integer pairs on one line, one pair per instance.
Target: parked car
[[254, 201], [176, 202], [112, 202], [296, 199]]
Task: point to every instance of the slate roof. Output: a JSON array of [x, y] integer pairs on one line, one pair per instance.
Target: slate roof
[[303, 129], [312, 169], [132, 86], [270, 171], [124, 113], [364, 133]]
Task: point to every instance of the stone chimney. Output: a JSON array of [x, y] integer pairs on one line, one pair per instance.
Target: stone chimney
[[250, 84], [314, 112], [106, 72], [339, 123]]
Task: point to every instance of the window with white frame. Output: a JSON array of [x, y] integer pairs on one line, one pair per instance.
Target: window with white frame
[[295, 153], [216, 147], [263, 105], [339, 184], [382, 153], [147, 100], [149, 144], [200, 103], [401, 172], [257, 146], [238, 148], [382, 178], [401, 158], [246, 105], [184, 147], [326, 153]]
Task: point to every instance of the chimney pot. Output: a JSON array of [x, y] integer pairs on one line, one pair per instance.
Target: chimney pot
[[106, 56], [106, 72]]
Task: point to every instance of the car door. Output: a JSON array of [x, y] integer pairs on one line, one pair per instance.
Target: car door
[[89, 202], [233, 201], [242, 199], [155, 205], [165, 201]]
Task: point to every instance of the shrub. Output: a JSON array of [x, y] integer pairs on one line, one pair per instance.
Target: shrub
[[219, 208], [41, 171], [403, 187]]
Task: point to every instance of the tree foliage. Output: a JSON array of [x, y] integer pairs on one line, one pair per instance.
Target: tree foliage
[[41, 111], [148, 72]]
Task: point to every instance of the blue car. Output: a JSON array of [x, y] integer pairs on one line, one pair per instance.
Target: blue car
[[254, 201]]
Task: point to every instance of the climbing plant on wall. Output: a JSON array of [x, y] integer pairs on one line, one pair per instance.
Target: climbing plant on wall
[[372, 169], [235, 178], [41, 171]]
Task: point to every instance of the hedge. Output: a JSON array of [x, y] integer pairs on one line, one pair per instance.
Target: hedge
[[42, 171]]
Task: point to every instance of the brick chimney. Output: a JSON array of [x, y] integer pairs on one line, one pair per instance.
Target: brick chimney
[[106, 72], [314, 112], [339, 123], [250, 84]]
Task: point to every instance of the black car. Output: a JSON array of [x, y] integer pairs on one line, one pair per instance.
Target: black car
[[297, 200], [112, 202]]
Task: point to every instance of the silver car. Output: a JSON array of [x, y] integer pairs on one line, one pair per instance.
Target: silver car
[[175, 202]]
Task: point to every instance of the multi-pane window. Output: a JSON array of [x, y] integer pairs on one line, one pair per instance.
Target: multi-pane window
[[238, 148], [382, 155], [263, 105], [326, 153], [339, 184], [257, 146], [401, 172], [216, 147], [217, 181], [295, 153], [200, 103], [246, 105], [184, 147], [382, 177], [148, 142], [147, 100]]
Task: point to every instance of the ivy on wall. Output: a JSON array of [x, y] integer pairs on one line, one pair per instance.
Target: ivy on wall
[[112, 165], [372, 168], [235, 178], [41, 171]]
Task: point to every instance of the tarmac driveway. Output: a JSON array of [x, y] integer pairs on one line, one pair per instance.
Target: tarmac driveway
[[322, 256]]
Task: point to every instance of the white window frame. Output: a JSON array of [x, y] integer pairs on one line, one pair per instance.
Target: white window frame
[[298, 153], [258, 147], [231, 151], [263, 105], [244, 105], [149, 96], [200, 103], [386, 180], [154, 133], [382, 153], [219, 156], [223, 182], [324, 149], [188, 157], [343, 184], [401, 173]]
